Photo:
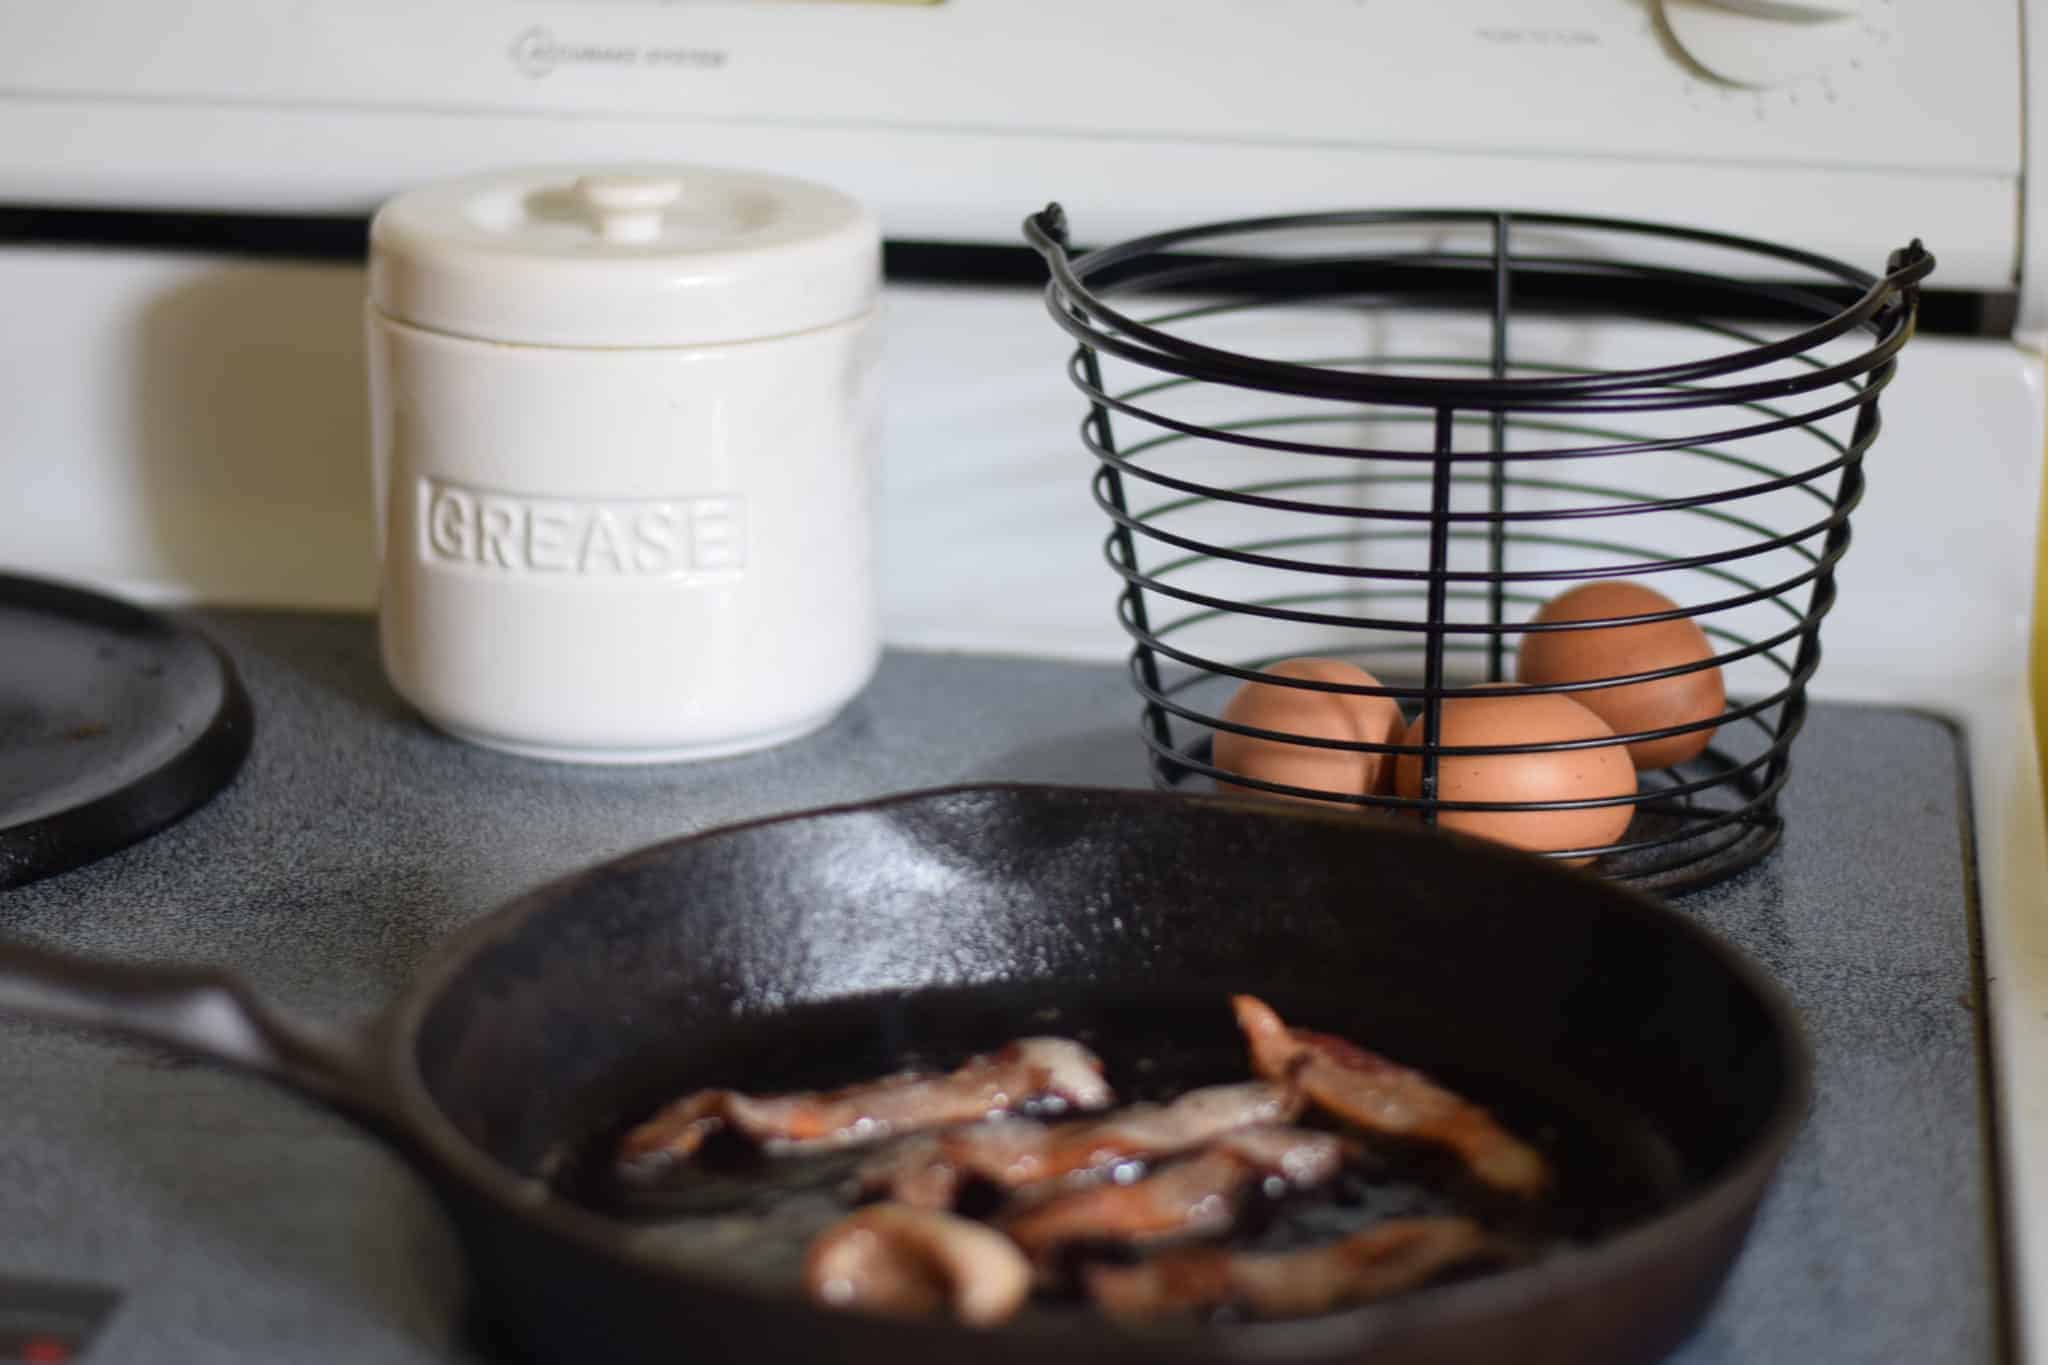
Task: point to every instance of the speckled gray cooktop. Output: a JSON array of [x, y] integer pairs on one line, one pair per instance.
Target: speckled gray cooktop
[[241, 1226]]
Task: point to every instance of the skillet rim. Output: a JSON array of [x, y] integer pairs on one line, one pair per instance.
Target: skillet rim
[[1352, 1330]]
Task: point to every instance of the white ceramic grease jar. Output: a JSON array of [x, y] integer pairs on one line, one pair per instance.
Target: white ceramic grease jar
[[624, 457]]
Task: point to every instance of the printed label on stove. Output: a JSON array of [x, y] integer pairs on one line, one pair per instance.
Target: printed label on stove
[[509, 533]]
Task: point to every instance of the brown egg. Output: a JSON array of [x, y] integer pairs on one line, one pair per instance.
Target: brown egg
[[1617, 651], [1319, 715], [1566, 775]]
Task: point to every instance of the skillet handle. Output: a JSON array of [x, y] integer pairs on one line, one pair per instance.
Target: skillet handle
[[200, 1013]]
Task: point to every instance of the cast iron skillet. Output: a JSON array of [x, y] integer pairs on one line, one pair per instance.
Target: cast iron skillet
[[1537, 989]]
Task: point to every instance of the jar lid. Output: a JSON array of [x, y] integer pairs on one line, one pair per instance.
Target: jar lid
[[623, 256]]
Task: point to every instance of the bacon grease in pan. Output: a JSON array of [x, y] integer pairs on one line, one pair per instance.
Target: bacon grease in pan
[[1387, 1258]]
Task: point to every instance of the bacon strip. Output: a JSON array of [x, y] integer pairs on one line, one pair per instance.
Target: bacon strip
[[1014, 1153], [1302, 1158], [902, 1262], [1385, 1259], [1053, 1071], [1189, 1198], [1386, 1097]]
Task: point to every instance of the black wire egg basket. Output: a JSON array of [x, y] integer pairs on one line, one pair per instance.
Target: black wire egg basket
[[1389, 438]]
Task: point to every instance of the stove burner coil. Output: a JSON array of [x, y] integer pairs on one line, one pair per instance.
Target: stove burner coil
[[1381, 437]]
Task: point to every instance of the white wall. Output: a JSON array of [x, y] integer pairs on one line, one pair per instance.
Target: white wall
[[191, 428]]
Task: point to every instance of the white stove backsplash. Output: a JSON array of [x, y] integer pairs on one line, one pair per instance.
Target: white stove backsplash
[[186, 427], [192, 428]]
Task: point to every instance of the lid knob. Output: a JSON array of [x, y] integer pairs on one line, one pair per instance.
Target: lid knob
[[627, 208], [615, 256]]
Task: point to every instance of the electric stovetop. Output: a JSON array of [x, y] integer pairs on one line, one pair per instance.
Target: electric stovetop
[[186, 1214]]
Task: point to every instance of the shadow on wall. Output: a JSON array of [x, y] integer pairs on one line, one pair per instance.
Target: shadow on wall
[[251, 434]]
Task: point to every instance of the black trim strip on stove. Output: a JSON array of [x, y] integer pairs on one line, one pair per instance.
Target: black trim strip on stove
[[2001, 1235], [345, 238]]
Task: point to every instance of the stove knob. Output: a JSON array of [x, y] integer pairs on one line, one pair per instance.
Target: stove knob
[[1758, 44]]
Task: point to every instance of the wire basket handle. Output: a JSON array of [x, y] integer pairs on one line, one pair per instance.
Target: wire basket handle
[[1884, 305]]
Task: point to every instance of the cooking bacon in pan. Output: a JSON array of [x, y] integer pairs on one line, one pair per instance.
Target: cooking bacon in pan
[[1045, 1071], [1191, 1197], [1013, 1153], [1071, 1201], [1385, 1097], [905, 1262]]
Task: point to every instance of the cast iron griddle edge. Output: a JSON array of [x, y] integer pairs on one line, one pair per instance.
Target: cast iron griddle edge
[[187, 780]]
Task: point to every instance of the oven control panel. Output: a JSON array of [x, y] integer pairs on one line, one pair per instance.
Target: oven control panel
[[937, 108], [1895, 82]]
